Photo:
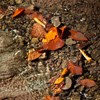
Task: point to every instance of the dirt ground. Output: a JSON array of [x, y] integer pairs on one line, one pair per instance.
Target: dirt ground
[[22, 80]]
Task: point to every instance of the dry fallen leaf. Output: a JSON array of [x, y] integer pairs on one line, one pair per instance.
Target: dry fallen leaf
[[17, 12], [38, 17], [38, 31], [57, 91], [55, 98], [62, 29], [87, 82], [48, 97], [65, 70], [59, 80], [54, 44], [52, 33], [77, 35], [32, 55], [74, 69]]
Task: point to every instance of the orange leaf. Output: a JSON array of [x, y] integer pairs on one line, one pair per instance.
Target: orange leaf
[[87, 82], [62, 29], [54, 44], [38, 31], [55, 98], [32, 55], [74, 69], [77, 36], [47, 97], [65, 70], [17, 12], [51, 34], [59, 80], [56, 91]]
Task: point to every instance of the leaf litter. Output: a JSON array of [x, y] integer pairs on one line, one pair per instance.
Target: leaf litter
[[51, 40]]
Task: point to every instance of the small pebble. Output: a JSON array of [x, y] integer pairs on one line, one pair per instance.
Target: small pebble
[[55, 21], [68, 83], [18, 1], [69, 41]]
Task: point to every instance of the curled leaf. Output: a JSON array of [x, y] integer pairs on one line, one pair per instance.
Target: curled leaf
[[74, 69], [32, 55], [77, 35], [38, 31], [17, 12], [59, 80], [63, 30], [54, 44], [87, 82], [65, 70]]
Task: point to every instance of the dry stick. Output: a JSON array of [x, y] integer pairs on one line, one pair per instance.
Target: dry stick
[[86, 56], [38, 21]]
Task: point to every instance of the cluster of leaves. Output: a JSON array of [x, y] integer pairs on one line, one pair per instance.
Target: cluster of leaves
[[63, 82], [52, 38]]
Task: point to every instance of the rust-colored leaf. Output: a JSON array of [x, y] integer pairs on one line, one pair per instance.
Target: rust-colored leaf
[[29, 10], [38, 16], [59, 80], [54, 44], [77, 35], [87, 82], [32, 55], [74, 69], [65, 70], [1, 11], [38, 31], [52, 33], [55, 98], [47, 97], [17, 12], [62, 29]]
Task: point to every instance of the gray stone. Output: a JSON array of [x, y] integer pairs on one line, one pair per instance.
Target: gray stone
[[69, 41], [55, 21]]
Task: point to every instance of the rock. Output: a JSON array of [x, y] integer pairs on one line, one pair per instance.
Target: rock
[[68, 83], [18, 1], [69, 41], [55, 21], [75, 96], [34, 40], [5, 41], [10, 57]]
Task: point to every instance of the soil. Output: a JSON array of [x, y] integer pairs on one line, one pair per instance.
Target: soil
[[22, 80]]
